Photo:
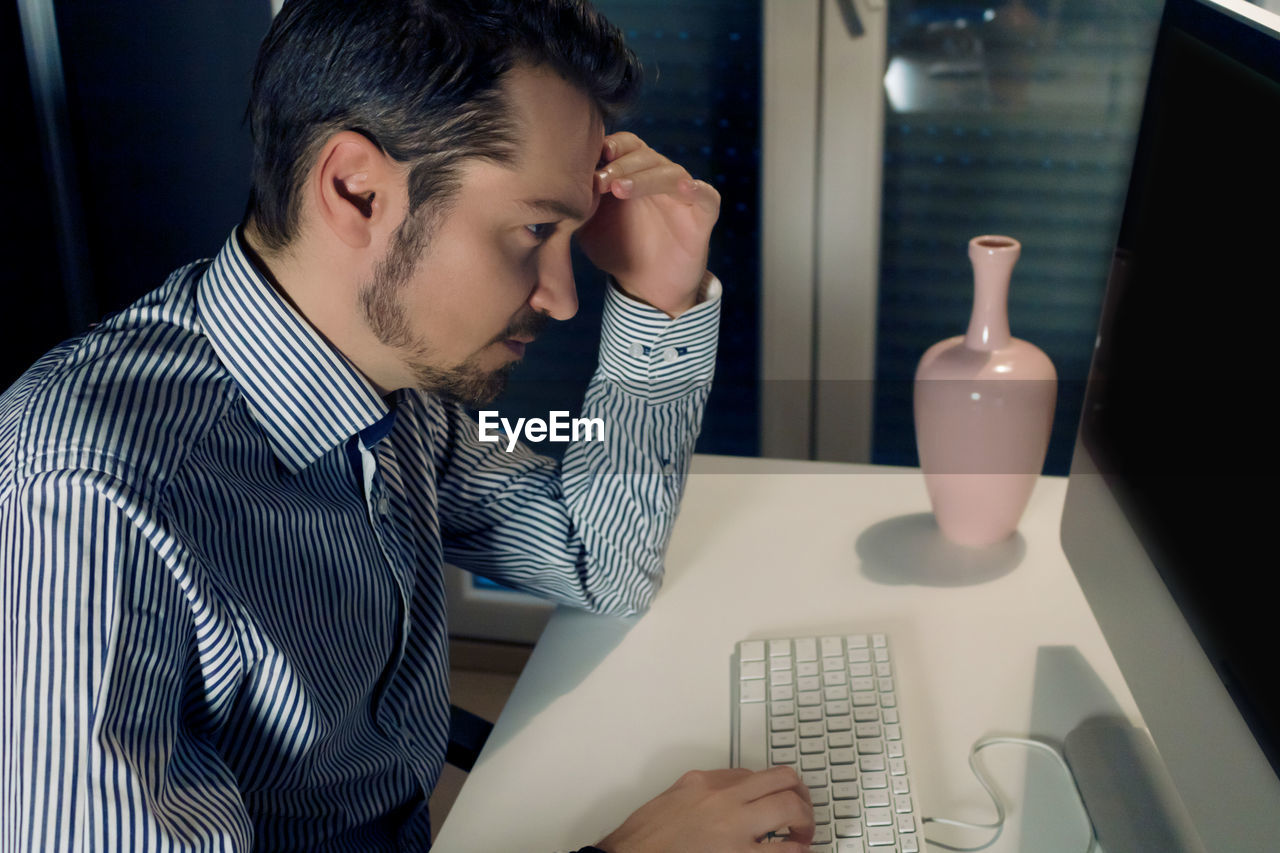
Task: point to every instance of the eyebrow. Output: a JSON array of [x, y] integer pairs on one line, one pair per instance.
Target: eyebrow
[[556, 206]]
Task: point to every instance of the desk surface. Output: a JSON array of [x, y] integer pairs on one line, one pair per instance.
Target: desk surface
[[609, 712]]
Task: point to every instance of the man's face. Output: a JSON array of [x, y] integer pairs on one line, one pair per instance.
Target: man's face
[[458, 300]]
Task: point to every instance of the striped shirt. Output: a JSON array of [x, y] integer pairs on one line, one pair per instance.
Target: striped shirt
[[225, 615]]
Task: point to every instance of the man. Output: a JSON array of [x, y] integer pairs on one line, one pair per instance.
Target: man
[[224, 511]]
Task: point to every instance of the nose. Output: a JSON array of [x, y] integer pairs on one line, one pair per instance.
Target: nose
[[555, 293]]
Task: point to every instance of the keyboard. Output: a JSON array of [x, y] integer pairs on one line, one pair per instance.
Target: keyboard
[[827, 707]]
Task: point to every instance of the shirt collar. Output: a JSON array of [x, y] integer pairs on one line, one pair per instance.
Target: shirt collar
[[307, 397]]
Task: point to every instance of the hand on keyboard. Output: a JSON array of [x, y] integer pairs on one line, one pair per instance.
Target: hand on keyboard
[[720, 811]]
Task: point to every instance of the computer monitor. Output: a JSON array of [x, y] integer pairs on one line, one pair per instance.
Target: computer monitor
[[1170, 520]]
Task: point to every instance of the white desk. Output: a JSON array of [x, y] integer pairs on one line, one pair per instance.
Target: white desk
[[609, 711]]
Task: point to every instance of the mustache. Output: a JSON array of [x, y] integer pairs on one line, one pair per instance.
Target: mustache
[[527, 325]]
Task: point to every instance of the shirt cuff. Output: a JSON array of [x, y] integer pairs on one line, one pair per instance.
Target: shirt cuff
[[654, 356]]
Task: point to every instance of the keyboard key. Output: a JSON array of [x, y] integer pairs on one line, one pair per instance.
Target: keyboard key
[[821, 834], [779, 648], [821, 814], [872, 763], [850, 845], [782, 739], [880, 836], [871, 781], [840, 756], [811, 745], [783, 756], [751, 669], [910, 844], [879, 817], [906, 823], [839, 724], [814, 779], [781, 692], [811, 728], [847, 809], [813, 762], [806, 649], [866, 713], [751, 650], [848, 828], [845, 791], [779, 724], [781, 709], [809, 713], [844, 773], [832, 647], [901, 785], [751, 691], [782, 676], [879, 799], [901, 804], [839, 740]]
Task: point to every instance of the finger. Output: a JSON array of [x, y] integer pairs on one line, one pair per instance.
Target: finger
[[628, 166], [771, 781], [666, 179], [782, 812], [789, 846], [618, 144]]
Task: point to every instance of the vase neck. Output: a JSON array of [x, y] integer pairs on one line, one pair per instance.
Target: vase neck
[[993, 259]]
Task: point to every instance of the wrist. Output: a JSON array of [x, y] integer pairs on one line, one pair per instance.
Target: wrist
[[673, 309]]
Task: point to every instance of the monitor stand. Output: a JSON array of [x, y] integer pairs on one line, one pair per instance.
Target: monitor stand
[[1127, 791]]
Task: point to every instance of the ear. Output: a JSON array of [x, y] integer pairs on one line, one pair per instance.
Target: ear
[[354, 185]]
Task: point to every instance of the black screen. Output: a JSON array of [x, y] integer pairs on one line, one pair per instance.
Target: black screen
[[1179, 416]]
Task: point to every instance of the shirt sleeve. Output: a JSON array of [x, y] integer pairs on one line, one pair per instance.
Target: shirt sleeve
[[98, 752], [593, 530]]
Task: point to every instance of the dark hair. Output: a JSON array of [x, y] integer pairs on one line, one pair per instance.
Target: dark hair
[[417, 77]]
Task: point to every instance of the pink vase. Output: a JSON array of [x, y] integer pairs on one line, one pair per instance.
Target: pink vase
[[983, 410]]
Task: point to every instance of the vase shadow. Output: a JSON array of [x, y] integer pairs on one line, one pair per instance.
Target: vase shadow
[[910, 549]]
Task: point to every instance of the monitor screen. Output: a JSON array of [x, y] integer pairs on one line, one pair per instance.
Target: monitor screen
[[1176, 426]]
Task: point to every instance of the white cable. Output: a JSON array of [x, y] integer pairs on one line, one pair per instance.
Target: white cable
[[986, 783]]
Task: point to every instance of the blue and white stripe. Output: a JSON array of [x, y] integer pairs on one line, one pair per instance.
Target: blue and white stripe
[[225, 616]]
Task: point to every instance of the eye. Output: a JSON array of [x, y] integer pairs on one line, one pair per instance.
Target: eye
[[541, 231]]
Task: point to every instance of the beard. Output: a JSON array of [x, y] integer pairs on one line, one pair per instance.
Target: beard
[[383, 306]]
